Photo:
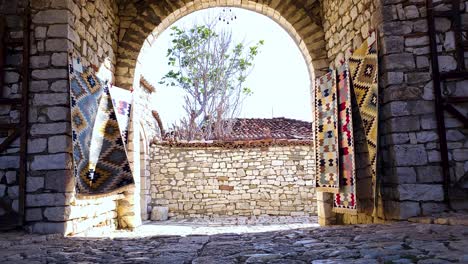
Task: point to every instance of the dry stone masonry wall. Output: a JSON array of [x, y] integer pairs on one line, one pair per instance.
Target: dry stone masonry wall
[[412, 174], [89, 30], [211, 182], [9, 160]]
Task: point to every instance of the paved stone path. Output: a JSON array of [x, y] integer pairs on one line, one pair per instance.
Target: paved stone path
[[394, 243]]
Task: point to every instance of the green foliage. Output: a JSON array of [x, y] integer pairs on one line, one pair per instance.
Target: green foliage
[[210, 69]]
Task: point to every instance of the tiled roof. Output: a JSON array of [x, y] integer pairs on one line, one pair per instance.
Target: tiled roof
[[270, 128]]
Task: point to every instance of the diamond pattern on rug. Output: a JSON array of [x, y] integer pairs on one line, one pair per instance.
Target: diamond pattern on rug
[[345, 200], [327, 134], [363, 66], [100, 160]]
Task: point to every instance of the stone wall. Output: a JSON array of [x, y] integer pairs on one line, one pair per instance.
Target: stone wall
[[412, 174], [9, 160], [216, 181], [88, 29], [347, 24]]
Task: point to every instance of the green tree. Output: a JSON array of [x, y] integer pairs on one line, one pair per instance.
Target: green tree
[[212, 70]]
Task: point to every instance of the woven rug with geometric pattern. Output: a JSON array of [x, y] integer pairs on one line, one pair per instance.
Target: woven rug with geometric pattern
[[326, 134], [363, 66], [100, 160], [345, 200], [122, 100]]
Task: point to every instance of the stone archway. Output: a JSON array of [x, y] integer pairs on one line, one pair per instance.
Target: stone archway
[[142, 23]]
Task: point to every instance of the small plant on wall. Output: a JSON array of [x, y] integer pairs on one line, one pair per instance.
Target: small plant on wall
[[212, 70]]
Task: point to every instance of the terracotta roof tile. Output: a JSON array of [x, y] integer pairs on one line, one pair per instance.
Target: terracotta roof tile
[[270, 128]]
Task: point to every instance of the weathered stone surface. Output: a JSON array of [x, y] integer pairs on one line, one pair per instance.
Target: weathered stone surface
[[51, 17], [50, 74], [50, 128], [410, 155], [57, 214], [60, 181], [51, 99], [58, 113], [38, 62], [59, 144], [159, 213], [11, 177], [217, 181], [46, 199], [400, 242], [9, 162], [421, 192], [59, 59], [34, 183], [51, 162]]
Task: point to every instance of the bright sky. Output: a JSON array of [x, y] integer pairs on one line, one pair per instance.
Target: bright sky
[[280, 80]]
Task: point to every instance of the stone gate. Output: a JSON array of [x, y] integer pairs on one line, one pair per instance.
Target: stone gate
[[114, 35]]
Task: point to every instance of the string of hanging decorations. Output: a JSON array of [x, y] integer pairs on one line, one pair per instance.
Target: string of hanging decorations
[[227, 16]]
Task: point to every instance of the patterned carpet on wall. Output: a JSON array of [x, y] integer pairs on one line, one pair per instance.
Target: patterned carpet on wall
[[363, 66], [327, 134], [100, 160], [345, 200], [122, 100]]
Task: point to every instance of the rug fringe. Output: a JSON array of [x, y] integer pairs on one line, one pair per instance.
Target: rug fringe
[[328, 189], [96, 196]]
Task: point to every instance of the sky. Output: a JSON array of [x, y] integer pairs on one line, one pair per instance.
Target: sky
[[280, 79]]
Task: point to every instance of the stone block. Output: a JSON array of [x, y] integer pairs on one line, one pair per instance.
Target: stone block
[[9, 162], [50, 129], [59, 59], [409, 155], [51, 99], [10, 177], [401, 210], [226, 188], [159, 213], [402, 175], [34, 183], [11, 77], [421, 192], [433, 208], [58, 113], [39, 86], [58, 31], [455, 135], [51, 162], [60, 86], [460, 154], [52, 228], [430, 174], [47, 199], [51, 17], [57, 214], [33, 214], [60, 143], [40, 32], [400, 61], [404, 124], [37, 62], [60, 181], [49, 74], [2, 190], [13, 192]]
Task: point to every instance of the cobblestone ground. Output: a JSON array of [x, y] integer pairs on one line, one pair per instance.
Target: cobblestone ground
[[394, 243]]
